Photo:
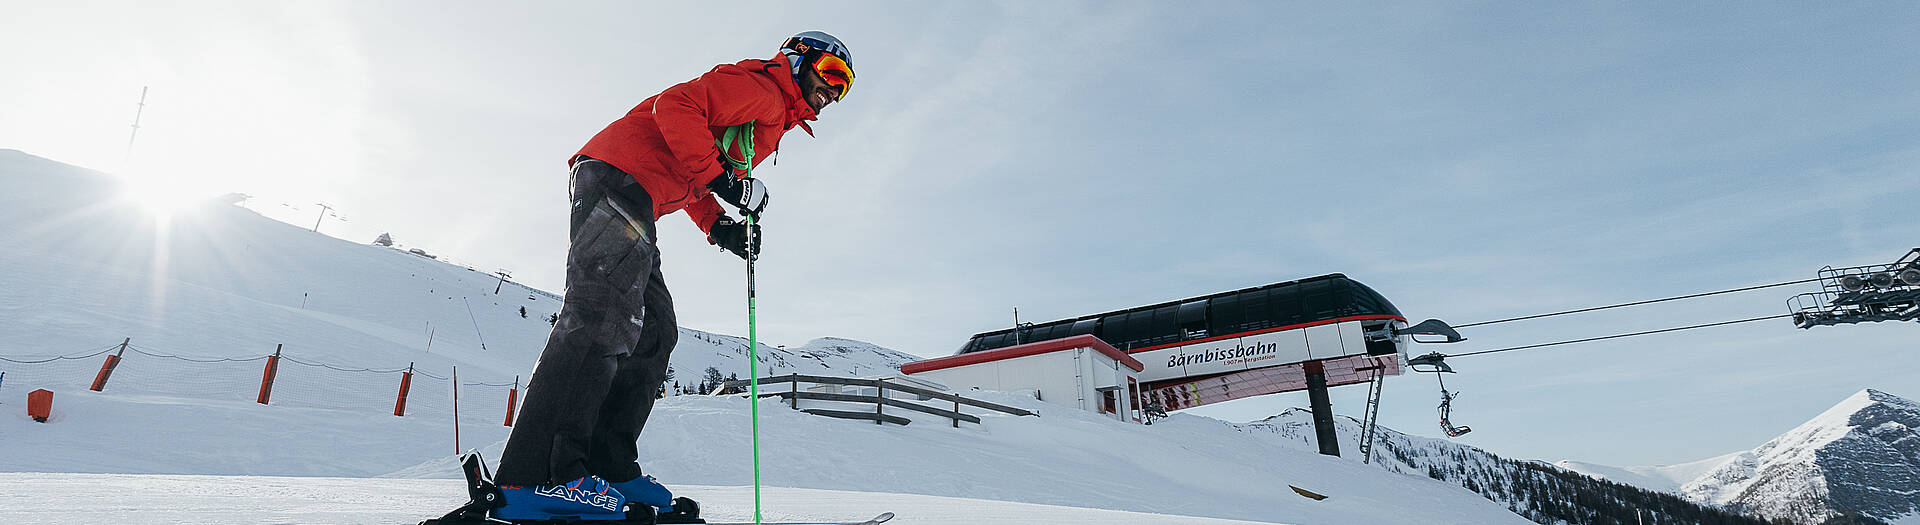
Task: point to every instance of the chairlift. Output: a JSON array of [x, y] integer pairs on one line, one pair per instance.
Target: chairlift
[[1862, 294], [1154, 410], [1431, 327], [1436, 364], [1446, 410]]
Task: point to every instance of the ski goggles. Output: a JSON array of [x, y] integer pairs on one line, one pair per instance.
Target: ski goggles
[[836, 72]]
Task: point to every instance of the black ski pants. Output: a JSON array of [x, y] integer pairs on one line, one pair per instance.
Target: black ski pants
[[595, 382]]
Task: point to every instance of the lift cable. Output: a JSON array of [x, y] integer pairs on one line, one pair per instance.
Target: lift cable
[[1617, 336], [1637, 303]]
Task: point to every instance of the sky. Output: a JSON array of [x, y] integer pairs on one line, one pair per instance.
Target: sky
[[1469, 161]]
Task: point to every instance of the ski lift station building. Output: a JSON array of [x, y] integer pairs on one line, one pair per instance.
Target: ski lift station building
[[1191, 352], [1079, 371]]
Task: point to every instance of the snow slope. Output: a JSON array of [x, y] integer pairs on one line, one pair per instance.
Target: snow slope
[[250, 500], [1185, 465], [85, 269], [224, 287]]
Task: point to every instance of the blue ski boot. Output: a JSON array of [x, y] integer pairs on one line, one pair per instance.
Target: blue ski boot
[[646, 491], [585, 499]]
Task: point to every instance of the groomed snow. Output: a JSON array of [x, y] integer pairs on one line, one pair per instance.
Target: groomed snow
[[1183, 466], [252, 500]]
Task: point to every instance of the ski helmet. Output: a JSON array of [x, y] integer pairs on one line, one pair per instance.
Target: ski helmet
[[807, 48]]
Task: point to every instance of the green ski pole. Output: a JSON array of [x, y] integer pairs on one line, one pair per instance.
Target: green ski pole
[[743, 133], [753, 363]]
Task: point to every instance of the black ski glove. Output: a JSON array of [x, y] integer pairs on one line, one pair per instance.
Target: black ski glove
[[732, 236], [747, 195]]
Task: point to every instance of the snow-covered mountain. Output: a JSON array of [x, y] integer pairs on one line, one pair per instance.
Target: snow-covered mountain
[[1663, 478], [1861, 457], [823, 356]]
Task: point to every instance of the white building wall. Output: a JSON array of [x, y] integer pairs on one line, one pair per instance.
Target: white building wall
[[1040, 373], [1114, 375], [1070, 378], [1255, 351], [1323, 342]]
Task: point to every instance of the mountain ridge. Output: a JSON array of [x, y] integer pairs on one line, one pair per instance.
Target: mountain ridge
[[1859, 457], [1533, 489]]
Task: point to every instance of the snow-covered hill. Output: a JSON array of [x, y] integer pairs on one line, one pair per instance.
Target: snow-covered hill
[[220, 287], [1860, 457], [206, 295], [87, 266]]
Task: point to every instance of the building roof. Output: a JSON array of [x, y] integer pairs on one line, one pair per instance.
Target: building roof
[[1037, 348], [1331, 296]]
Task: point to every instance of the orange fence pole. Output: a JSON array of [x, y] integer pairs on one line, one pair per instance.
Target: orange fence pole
[[266, 377], [512, 393], [406, 381], [106, 368]]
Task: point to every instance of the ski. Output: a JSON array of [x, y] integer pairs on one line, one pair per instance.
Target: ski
[[882, 518], [483, 497]]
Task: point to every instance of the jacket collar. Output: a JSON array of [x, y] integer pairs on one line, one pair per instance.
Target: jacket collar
[[798, 112]]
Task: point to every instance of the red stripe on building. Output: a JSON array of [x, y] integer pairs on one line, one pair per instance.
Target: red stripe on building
[[1042, 347]]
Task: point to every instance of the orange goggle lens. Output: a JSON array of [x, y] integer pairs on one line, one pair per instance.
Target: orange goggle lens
[[836, 72]]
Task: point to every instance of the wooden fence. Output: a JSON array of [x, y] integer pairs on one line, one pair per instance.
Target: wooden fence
[[794, 393]]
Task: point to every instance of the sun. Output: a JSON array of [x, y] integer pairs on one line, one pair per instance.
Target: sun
[[166, 195]]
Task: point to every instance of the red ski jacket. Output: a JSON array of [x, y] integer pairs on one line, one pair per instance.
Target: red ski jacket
[[668, 141]]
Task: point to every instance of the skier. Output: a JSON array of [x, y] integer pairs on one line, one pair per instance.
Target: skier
[[571, 455]]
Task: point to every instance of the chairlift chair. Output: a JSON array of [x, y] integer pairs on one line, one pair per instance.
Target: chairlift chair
[[1436, 364]]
